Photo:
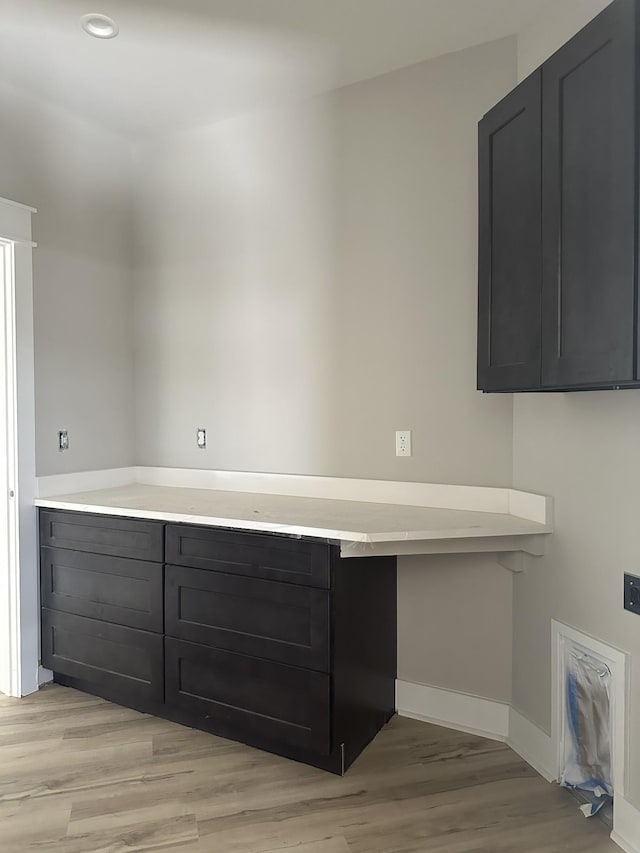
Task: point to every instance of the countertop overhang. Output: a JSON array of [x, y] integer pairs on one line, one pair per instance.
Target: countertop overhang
[[439, 519]]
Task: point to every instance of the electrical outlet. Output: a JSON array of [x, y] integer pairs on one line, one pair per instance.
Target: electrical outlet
[[403, 442], [63, 440], [201, 438]]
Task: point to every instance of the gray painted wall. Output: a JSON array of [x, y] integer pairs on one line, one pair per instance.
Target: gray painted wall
[[583, 449], [306, 285], [454, 624], [79, 177]]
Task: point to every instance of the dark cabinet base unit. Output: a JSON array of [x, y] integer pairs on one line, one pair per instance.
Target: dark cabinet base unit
[[270, 640]]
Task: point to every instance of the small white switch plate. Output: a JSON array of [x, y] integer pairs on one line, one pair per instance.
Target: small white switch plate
[[63, 440], [403, 442], [201, 438]]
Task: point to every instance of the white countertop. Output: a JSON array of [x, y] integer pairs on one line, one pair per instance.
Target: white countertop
[[348, 521]]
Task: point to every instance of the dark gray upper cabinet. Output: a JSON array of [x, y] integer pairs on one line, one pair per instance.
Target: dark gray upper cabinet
[[510, 241], [588, 221], [557, 303]]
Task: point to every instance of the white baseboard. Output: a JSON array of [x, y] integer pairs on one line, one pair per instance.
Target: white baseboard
[[532, 744], [626, 825], [45, 676], [453, 710]]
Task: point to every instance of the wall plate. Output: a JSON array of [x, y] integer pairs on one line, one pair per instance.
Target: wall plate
[[632, 594]]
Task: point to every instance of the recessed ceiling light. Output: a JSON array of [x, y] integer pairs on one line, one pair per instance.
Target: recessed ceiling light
[[99, 26]]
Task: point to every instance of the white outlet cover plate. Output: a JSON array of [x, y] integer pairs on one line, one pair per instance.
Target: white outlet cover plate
[[403, 442]]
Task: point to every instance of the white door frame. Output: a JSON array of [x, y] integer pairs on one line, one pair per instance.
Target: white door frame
[[19, 623]]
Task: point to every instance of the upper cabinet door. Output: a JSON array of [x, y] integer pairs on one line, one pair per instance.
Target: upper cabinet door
[[509, 281], [588, 230]]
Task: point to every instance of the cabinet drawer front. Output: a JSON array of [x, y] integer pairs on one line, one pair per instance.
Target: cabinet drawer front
[[268, 619], [111, 589], [245, 697], [121, 660], [254, 555], [102, 534]]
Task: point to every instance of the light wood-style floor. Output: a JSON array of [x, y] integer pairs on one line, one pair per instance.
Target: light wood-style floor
[[80, 775]]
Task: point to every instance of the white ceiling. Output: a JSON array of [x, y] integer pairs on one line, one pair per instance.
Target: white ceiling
[[186, 62]]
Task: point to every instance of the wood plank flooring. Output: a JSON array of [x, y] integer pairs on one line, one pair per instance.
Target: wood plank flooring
[[81, 775]]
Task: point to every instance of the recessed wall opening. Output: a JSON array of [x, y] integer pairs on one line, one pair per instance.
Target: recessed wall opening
[[587, 726], [589, 681]]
